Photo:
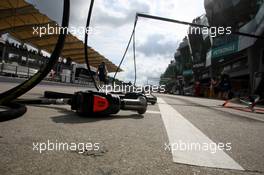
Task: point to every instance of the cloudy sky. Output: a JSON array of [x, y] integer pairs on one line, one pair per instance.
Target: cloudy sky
[[112, 23]]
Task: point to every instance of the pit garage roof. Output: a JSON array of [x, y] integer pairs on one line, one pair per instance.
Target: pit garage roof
[[18, 18]]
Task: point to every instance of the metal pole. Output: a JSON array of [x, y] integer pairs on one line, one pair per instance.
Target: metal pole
[[16, 71], [28, 73], [134, 55], [3, 54], [124, 55], [2, 67]]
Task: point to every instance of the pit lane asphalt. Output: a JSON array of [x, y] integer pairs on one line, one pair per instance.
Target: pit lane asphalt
[[129, 143]]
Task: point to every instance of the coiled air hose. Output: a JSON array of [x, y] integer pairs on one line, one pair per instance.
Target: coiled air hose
[[7, 98]]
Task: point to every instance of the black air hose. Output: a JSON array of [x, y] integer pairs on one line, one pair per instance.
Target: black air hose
[[6, 98]]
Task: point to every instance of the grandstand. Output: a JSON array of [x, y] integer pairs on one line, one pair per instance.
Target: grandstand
[[25, 55]]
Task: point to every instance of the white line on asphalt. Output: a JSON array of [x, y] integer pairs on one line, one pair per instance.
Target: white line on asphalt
[[153, 112], [180, 129]]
